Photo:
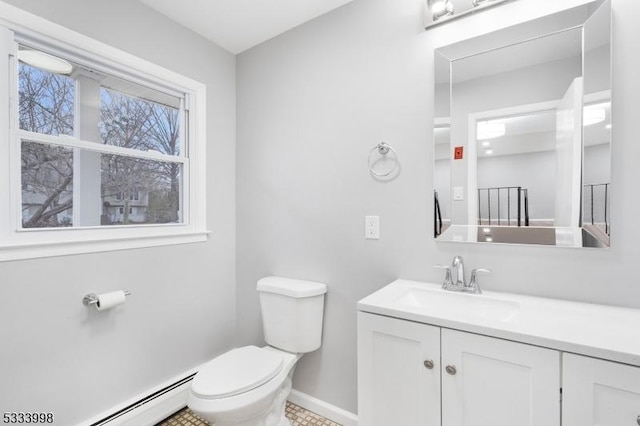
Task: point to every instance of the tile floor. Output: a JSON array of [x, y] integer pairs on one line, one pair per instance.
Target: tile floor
[[298, 416]]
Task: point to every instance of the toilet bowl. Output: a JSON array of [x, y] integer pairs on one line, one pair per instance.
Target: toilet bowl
[[249, 386]]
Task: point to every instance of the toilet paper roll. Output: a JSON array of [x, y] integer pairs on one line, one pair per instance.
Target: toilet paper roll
[[110, 300]]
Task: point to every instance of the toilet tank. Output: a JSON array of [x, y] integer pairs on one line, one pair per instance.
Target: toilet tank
[[292, 313]]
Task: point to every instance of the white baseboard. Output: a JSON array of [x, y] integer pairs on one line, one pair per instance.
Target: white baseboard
[[164, 405], [147, 412], [323, 408]]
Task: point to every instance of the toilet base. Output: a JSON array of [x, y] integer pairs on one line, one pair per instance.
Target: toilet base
[[275, 416]]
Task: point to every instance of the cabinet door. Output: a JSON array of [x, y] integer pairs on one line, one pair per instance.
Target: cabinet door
[[495, 382], [398, 372], [602, 393]]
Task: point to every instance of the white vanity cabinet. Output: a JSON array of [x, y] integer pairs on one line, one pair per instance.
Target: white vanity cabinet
[[407, 371], [597, 392], [494, 382], [498, 359], [398, 372]]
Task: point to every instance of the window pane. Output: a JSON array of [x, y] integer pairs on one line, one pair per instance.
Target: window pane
[[139, 191], [130, 190], [132, 122], [47, 185], [46, 101]]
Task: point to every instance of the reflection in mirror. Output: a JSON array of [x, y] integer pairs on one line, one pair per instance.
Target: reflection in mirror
[[522, 134]]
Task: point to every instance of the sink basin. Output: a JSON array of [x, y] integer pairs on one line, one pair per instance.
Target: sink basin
[[469, 307]]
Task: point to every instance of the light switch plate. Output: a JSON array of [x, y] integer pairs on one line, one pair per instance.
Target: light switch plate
[[372, 227], [458, 193]]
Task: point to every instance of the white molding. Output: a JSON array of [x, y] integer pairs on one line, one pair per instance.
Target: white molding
[[326, 410], [174, 400], [65, 248]]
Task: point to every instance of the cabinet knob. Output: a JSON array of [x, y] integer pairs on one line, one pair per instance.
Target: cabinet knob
[[450, 369], [428, 364]]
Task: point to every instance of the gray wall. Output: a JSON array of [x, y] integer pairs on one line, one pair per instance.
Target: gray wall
[[56, 355], [313, 102]]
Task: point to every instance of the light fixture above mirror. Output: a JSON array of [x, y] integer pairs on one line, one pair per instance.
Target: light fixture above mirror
[[440, 11], [440, 8]]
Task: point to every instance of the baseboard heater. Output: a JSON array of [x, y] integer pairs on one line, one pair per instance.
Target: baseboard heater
[[112, 419]]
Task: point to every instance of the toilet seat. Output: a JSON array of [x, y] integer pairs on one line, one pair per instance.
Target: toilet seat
[[237, 371]]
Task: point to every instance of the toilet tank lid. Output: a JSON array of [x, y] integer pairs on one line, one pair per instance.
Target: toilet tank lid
[[291, 287]]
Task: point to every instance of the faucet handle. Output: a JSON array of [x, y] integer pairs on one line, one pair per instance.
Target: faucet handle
[[448, 281], [473, 282]]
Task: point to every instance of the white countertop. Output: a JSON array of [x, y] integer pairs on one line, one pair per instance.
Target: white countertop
[[600, 331]]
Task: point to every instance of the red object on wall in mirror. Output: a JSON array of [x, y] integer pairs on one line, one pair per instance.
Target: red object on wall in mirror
[[458, 152]]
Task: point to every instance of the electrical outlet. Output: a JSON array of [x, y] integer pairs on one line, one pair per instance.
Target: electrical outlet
[[372, 227]]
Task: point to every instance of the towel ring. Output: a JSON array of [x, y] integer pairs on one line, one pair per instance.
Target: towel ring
[[383, 150]]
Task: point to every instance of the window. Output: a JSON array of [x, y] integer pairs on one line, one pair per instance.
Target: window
[[140, 122], [112, 149], [134, 195]]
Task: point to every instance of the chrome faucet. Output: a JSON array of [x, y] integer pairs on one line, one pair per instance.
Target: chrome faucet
[[460, 283], [458, 265]]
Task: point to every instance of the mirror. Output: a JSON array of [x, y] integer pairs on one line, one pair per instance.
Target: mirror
[[522, 134]]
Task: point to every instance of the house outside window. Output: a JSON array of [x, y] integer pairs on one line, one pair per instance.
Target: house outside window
[[130, 171], [146, 121]]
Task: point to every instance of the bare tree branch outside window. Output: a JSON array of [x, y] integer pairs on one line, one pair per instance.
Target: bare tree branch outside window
[[46, 105], [139, 124], [132, 190]]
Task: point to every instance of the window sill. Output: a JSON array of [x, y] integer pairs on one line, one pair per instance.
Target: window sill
[[65, 248]]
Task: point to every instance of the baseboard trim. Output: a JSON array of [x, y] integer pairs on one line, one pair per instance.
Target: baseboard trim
[[150, 407], [144, 411], [323, 408]]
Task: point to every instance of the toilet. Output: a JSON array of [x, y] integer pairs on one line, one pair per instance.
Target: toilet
[[249, 386]]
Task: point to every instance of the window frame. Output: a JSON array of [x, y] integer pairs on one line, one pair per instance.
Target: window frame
[[20, 27]]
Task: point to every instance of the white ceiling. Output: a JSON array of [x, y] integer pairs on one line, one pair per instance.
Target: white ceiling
[[237, 25]]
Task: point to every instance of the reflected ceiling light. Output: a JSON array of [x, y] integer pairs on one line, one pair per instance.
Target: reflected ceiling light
[[486, 230], [45, 61], [440, 8], [593, 114], [488, 239], [486, 144], [608, 126], [490, 129], [488, 151]]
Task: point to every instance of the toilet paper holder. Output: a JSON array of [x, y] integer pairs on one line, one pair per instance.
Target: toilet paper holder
[[92, 298]]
